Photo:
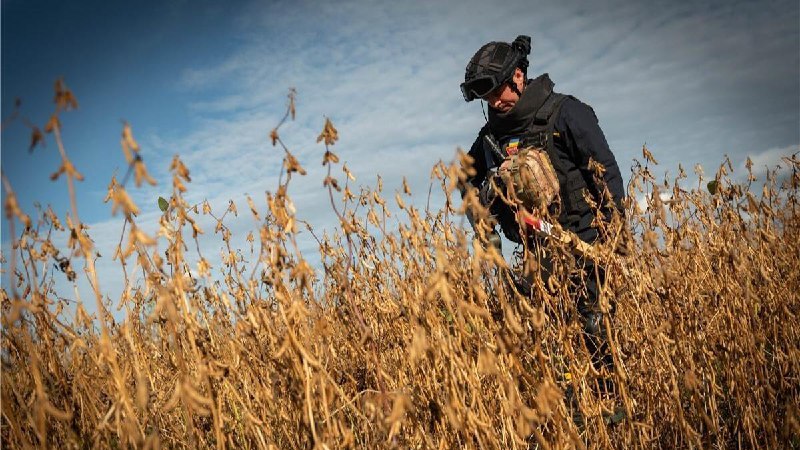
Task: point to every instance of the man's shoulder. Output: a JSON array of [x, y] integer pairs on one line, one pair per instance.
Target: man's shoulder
[[574, 110], [572, 103], [477, 145], [485, 130]]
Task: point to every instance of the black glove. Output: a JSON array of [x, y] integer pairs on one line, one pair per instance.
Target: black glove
[[487, 193]]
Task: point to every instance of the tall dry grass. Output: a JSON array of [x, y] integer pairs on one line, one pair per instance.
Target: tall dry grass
[[412, 335]]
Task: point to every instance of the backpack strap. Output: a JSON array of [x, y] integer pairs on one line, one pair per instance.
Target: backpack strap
[[548, 108], [544, 123]]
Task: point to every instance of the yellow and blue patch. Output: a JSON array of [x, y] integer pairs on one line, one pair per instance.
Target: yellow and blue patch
[[512, 147]]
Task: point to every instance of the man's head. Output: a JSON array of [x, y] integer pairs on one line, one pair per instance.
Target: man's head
[[497, 73], [505, 96]]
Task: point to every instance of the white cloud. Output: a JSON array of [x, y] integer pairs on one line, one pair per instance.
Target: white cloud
[[645, 201], [769, 160]]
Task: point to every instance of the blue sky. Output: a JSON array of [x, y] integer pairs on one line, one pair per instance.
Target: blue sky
[[207, 80]]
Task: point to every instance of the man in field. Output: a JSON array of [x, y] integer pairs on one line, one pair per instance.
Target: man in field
[[552, 138]]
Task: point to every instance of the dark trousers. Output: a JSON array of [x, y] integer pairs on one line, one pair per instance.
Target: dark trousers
[[586, 292]]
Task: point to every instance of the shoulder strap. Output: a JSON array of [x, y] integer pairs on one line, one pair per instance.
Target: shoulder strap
[[546, 113], [540, 132]]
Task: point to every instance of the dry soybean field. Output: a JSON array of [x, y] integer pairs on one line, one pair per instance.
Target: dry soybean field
[[409, 332]]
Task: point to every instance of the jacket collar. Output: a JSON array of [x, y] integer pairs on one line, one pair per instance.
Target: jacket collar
[[516, 120]]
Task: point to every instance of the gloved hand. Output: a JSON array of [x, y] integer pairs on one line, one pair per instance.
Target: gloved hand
[[487, 193]]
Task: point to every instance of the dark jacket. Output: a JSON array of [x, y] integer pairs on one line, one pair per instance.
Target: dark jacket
[[577, 137]]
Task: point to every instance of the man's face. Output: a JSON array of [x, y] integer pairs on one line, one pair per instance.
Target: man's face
[[504, 98]]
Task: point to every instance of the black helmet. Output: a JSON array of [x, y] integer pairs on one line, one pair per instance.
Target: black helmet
[[494, 64]]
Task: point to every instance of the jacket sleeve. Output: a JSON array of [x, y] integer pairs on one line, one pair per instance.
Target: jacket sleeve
[[478, 160], [587, 140], [503, 214]]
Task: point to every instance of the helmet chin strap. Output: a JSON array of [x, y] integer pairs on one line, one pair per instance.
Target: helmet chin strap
[[514, 87]]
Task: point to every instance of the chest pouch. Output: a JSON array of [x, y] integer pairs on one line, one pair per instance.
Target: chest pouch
[[531, 180]]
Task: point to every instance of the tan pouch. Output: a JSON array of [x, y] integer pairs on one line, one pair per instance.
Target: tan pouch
[[531, 178]]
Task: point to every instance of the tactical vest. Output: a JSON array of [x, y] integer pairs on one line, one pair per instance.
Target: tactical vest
[[573, 212]]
